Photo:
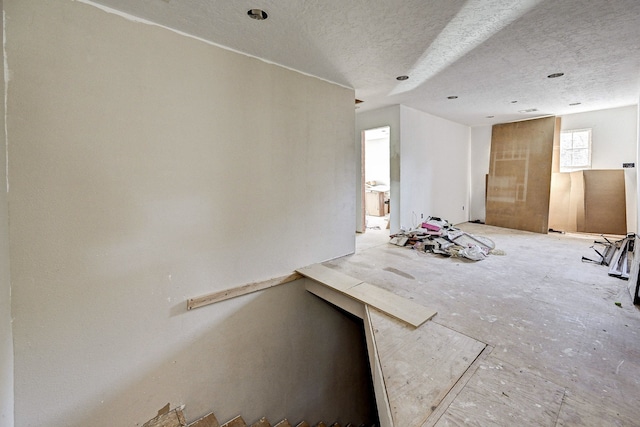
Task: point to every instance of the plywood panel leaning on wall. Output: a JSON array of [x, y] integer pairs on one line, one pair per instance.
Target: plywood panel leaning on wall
[[604, 201], [519, 178]]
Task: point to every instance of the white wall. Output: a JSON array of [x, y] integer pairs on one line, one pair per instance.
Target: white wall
[[480, 158], [389, 116], [377, 164], [614, 141], [136, 183], [6, 333], [435, 168]]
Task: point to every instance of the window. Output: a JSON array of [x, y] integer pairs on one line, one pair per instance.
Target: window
[[575, 150]]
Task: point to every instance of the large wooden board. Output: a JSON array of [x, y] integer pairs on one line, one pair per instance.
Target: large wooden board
[[419, 366], [329, 277], [519, 179], [392, 304]]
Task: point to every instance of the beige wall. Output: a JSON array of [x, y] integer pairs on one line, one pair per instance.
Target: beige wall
[[6, 334], [147, 167]]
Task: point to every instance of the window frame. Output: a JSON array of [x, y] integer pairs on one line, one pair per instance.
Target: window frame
[[572, 167]]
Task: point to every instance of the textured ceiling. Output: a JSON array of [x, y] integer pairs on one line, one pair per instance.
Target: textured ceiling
[[489, 53]]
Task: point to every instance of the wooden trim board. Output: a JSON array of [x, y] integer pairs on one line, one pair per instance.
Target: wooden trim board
[[239, 291], [394, 305], [379, 388]]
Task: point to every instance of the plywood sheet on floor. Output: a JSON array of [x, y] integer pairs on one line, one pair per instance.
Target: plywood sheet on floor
[[500, 394], [577, 412], [420, 365]]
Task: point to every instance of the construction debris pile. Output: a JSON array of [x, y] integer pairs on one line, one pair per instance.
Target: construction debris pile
[[615, 255], [438, 236]]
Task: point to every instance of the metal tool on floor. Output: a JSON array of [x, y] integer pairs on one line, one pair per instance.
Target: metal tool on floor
[[606, 254]]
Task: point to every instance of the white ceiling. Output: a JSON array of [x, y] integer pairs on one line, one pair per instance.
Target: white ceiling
[[489, 53]]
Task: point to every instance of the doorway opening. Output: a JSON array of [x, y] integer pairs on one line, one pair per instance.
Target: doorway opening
[[376, 180]]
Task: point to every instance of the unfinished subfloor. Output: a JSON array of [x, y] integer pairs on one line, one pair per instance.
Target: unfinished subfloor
[[559, 350]]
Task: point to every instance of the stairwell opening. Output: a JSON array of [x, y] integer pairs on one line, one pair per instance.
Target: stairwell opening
[[359, 356]]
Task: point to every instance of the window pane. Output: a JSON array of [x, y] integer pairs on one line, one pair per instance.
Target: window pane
[[581, 139], [565, 158], [581, 157], [566, 140]]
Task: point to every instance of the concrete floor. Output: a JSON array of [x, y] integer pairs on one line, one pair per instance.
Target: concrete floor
[[559, 351]]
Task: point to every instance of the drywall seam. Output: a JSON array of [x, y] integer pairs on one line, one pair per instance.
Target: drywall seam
[[136, 19]]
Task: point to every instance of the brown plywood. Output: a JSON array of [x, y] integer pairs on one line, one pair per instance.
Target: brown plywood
[[519, 179], [209, 420], [559, 202], [605, 208]]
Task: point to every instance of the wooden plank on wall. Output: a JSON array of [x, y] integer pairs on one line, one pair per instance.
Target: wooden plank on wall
[[520, 175], [239, 291]]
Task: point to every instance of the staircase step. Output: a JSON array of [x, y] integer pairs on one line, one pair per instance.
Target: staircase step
[[321, 424], [303, 424], [283, 423], [262, 423], [236, 422], [166, 418], [208, 420]]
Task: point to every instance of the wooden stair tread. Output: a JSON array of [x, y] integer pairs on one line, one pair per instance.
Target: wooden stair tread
[[261, 423], [393, 305], [303, 424], [283, 423], [236, 422], [208, 420]]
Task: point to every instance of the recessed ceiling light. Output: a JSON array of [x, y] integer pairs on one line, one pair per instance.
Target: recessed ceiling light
[[257, 14], [575, 103], [514, 102], [555, 75], [490, 117], [530, 110], [452, 97], [401, 78]]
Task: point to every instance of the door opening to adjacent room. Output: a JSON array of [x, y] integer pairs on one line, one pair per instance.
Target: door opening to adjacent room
[[376, 179]]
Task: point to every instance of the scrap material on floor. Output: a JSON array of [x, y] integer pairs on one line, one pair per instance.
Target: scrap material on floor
[[616, 255], [438, 236]]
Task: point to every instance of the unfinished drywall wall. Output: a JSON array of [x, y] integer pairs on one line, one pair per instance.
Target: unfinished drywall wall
[[6, 330], [147, 167], [389, 116], [614, 142], [480, 153], [435, 168]]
